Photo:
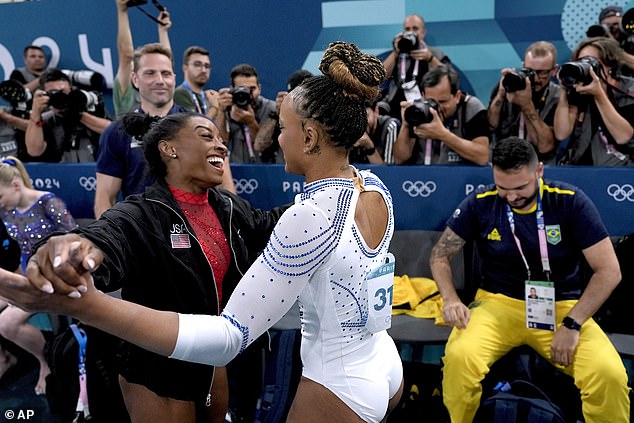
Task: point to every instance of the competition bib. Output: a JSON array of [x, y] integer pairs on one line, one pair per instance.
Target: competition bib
[[540, 305], [380, 294]]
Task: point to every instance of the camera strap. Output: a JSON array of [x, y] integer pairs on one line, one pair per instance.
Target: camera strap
[[160, 8], [402, 66], [248, 142]]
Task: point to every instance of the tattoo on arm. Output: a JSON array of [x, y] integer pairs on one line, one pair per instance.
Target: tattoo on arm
[[448, 245]]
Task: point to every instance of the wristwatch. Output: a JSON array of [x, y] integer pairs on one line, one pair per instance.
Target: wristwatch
[[570, 323]]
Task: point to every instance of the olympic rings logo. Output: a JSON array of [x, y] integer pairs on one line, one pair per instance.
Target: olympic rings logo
[[89, 183], [621, 192], [245, 186], [419, 188]]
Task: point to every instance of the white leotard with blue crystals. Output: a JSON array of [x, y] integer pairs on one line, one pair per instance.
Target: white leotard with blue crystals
[[316, 255]]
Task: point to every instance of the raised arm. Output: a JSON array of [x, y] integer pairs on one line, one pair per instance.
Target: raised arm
[[125, 47]]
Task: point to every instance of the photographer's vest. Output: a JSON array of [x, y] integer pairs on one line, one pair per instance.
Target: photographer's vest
[[437, 151], [590, 143], [513, 124]]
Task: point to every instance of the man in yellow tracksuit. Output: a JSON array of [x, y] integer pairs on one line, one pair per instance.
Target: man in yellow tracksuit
[[531, 234]]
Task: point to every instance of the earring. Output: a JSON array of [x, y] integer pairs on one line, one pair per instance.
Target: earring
[[173, 155]]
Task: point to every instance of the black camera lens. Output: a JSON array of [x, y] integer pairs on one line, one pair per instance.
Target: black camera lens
[[420, 112], [515, 80], [241, 97], [578, 71], [57, 99], [408, 42], [597, 31]]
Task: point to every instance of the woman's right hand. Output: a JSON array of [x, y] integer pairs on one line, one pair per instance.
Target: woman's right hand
[[63, 265]]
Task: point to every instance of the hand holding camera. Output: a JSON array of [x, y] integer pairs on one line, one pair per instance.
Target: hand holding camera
[[40, 103], [434, 129]]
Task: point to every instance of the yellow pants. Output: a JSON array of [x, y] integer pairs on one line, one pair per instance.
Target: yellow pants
[[497, 325]]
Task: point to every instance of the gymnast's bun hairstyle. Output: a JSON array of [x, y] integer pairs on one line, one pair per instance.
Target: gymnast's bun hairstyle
[[151, 130], [337, 99]]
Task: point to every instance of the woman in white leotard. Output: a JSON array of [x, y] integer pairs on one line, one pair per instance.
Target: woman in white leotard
[[321, 252]]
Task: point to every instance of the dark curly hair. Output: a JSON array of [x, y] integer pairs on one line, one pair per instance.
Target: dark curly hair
[[337, 99], [512, 153], [152, 130]]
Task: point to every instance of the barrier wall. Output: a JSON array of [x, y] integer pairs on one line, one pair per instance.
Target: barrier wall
[[424, 196]]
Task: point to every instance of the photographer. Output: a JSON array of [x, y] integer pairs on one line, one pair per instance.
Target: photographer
[[241, 112], [611, 25], [596, 106], [448, 127], [408, 62], [523, 102], [65, 123]]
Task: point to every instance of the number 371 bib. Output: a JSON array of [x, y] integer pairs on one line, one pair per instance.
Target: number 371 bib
[[380, 293]]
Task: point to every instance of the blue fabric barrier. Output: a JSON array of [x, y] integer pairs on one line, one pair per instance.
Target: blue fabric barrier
[[424, 196]]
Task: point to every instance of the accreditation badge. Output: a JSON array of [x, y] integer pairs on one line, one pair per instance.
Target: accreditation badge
[[540, 305], [380, 294]]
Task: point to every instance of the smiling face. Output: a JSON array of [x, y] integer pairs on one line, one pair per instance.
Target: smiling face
[[200, 154], [155, 79]]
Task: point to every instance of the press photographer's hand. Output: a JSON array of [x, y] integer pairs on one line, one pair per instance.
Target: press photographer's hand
[[40, 102]]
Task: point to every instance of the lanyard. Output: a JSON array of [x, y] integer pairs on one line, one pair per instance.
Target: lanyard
[[201, 107], [82, 401], [403, 67], [541, 234], [249, 142], [609, 148]]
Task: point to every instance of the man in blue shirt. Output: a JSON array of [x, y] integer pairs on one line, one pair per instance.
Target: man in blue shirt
[[121, 165], [530, 233]]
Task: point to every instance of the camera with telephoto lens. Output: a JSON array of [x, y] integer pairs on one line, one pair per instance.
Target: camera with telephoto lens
[[241, 97], [578, 71], [601, 30], [408, 42], [77, 100], [515, 80], [19, 97], [86, 79], [627, 26], [420, 112]]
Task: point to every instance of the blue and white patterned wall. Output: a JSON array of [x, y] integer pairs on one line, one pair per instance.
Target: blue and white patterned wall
[[278, 37]]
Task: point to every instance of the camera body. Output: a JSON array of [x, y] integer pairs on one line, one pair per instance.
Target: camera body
[[408, 42], [578, 71], [77, 100], [515, 80], [420, 112], [241, 97]]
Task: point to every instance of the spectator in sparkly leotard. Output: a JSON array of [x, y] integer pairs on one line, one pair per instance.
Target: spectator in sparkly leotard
[[29, 215]]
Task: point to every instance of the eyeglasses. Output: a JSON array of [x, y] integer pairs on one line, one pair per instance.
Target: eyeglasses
[[542, 72], [200, 65]]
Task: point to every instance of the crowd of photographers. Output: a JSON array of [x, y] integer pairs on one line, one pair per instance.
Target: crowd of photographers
[[576, 113]]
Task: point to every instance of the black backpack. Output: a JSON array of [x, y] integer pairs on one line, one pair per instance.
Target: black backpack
[[520, 401], [62, 384]]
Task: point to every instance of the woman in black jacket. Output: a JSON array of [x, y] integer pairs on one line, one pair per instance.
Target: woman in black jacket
[[181, 246]]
